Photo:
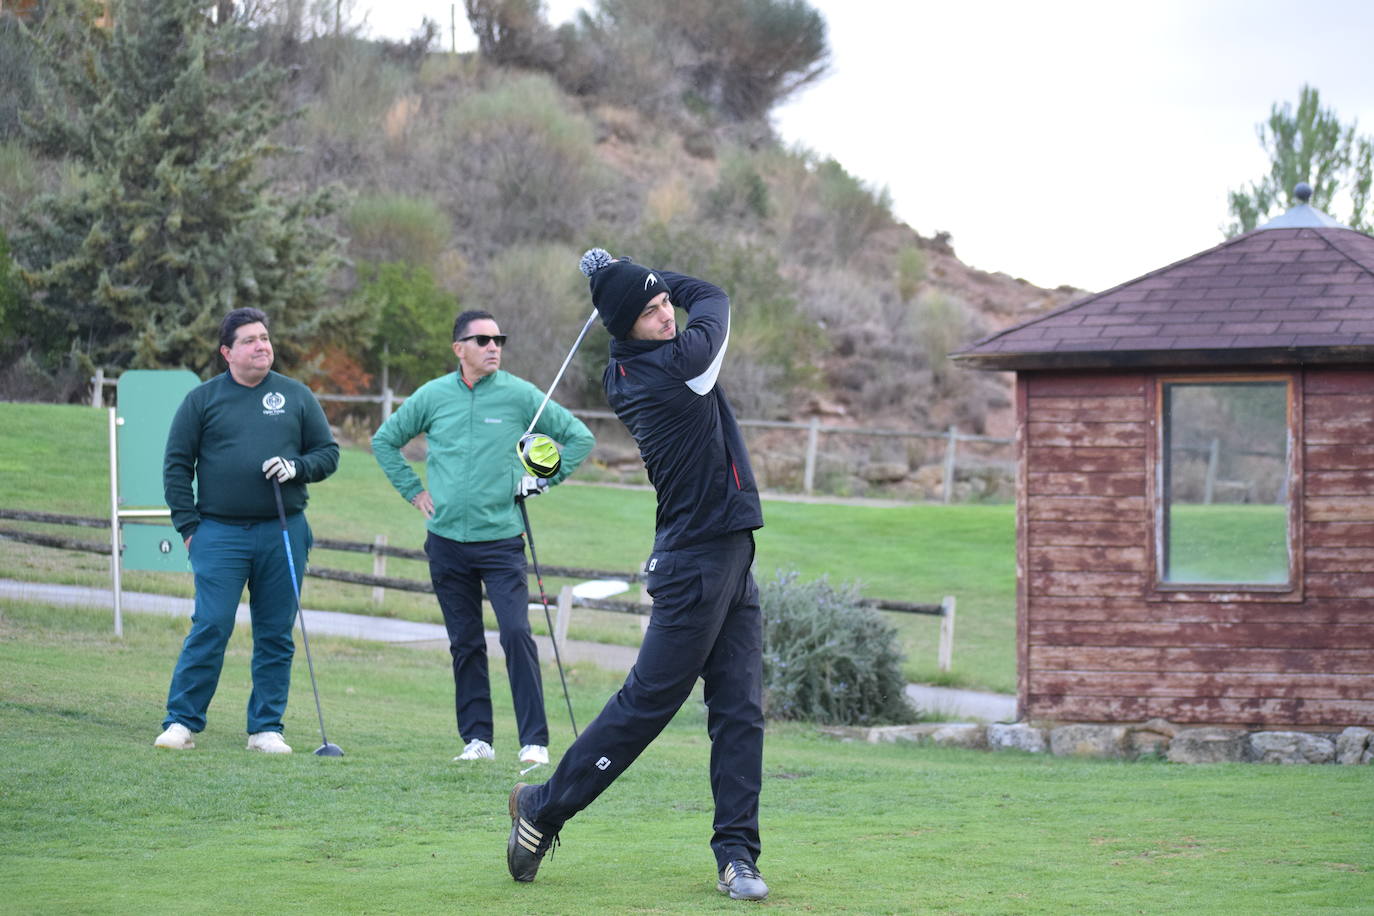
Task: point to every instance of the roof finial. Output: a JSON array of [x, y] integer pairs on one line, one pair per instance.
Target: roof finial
[[1303, 191]]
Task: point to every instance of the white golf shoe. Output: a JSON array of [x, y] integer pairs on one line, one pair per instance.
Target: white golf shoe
[[534, 753], [477, 749], [177, 737], [268, 743]]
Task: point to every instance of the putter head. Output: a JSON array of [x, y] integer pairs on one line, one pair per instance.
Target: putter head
[[328, 750], [539, 455]]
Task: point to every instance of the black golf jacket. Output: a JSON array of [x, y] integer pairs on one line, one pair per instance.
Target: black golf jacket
[[665, 393]]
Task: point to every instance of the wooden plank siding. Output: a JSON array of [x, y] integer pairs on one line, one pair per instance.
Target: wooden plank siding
[[1095, 641]]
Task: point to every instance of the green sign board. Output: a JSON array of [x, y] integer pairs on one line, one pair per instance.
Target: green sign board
[[147, 401], [154, 546]]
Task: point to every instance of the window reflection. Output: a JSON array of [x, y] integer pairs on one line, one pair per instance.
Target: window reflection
[[1225, 483]]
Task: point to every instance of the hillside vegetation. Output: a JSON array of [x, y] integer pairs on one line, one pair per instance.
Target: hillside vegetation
[[450, 181]]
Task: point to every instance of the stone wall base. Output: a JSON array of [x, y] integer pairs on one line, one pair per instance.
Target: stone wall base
[[1155, 738]]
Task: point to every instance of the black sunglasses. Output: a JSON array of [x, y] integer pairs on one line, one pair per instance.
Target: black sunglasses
[[484, 339]]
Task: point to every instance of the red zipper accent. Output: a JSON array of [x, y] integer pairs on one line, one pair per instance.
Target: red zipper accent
[[621, 368], [735, 471]]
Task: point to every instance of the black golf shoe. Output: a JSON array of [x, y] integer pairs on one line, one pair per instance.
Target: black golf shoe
[[527, 844], [742, 881]]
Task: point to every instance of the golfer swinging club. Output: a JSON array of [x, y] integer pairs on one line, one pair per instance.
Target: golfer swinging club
[[706, 620], [234, 435]]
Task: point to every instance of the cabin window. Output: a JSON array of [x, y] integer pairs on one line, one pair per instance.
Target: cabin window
[[1223, 517]]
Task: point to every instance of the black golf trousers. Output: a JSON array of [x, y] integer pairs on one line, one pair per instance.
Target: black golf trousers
[[706, 623], [458, 571]]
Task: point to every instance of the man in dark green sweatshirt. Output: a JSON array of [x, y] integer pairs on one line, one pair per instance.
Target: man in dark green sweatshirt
[[234, 435]]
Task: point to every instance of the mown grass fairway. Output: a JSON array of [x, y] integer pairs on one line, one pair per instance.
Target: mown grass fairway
[[55, 459], [94, 820]]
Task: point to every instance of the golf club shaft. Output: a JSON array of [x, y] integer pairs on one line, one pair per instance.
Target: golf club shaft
[[553, 637], [300, 612], [576, 343]]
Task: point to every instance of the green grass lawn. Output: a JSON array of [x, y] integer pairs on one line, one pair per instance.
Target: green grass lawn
[[55, 459], [94, 820]]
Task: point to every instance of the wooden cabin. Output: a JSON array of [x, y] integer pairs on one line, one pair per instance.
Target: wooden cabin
[[1195, 506]]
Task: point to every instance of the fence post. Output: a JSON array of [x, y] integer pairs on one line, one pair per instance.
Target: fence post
[[812, 437], [564, 617], [386, 403], [951, 452], [1209, 485], [378, 569], [946, 632], [644, 598], [98, 389]]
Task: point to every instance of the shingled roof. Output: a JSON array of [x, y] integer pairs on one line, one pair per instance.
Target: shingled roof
[[1298, 290]]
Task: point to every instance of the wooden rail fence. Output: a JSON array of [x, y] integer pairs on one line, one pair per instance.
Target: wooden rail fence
[[379, 581]]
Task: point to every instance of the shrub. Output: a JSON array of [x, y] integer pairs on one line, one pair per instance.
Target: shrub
[[540, 300], [739, 192], [911, 272], [942, 324], [411, 320], [394, 227], [855, 210], [828, 659], [529, 167]]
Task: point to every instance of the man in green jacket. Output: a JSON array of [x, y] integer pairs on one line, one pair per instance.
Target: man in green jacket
[[473, 419], [234, 435]]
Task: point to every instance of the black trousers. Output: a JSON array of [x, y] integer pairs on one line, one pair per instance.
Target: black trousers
[[458, 571], [706, 623]]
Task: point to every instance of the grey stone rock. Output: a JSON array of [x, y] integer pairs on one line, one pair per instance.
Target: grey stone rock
[[1291, 747], [884, 472], [1352, 747], [1209, 745], [1150, 739], [1018, 737], [961, 734], [887, 734], [1088, 741]]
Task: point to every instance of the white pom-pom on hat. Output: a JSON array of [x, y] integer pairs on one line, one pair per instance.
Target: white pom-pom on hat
[[594, 260]]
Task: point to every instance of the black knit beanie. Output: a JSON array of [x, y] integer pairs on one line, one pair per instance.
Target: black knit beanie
[[620, 289]]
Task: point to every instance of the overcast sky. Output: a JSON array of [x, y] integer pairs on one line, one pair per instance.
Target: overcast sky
[[1064, 141]]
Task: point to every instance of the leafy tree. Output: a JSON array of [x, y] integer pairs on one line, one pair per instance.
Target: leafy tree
[[411, 321], [740, 58], [172, 223], [513, 33], [1307, 144], [11, 293], [16, 74]]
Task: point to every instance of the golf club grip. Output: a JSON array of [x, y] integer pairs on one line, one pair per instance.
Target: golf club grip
[[281, 509]]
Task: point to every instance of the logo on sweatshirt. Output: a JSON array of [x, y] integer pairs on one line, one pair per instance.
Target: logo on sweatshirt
[[273, 402], [603, 763]]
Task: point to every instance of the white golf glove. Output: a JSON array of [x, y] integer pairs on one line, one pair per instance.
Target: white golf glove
[[530, 486], [279, 468]]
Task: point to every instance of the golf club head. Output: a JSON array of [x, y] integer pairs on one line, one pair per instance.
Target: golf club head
[[539, 455], [328, 749]]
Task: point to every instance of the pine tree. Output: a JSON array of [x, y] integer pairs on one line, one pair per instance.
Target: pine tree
[[1308, 144], [172, 221]]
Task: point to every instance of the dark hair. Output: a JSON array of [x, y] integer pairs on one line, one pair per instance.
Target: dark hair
[[460, 324], [236, 319]]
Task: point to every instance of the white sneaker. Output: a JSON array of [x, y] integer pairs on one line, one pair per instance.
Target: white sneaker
[[477, 749], [177, 737], [268, 743], [534, 753]]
